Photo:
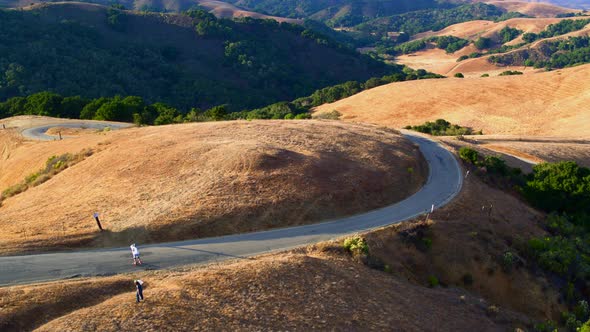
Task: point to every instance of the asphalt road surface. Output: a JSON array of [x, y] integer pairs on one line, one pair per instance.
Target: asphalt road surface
[[444, 182], [39, 133]]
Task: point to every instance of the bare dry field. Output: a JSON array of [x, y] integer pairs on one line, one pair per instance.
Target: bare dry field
[[322, 287], [543, 104], [204, 179]]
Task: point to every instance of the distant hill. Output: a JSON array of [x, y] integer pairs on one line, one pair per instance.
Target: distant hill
[[336, 12], [544, 104], [93, 51], [578, 4]]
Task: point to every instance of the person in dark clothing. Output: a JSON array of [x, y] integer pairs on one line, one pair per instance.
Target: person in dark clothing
[[139, 287]]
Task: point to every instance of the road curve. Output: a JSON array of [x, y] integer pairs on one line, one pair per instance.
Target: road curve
[[444, 182], [39, 133]]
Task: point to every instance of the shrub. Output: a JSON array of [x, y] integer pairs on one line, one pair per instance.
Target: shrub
[[441, 127], [562, 187], [303, 116], [547, 326], [469, 155], [427, 243], [432, 281], [508, 260], [510, 73], [334, 115], [356, 245], [459, 75], [463, 57], [485, 75], [482, 43]]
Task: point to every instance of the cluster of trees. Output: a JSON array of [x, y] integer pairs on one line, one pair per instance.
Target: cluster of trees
[[550, 54], [501, 49], [434, 19], [264, 61], [483, 43], [136, 109], [507, 34], [557, 29], [118, 108], [510, 73], [341, 91], [563, 190], [337, 12], [450, 44], [441, 127]]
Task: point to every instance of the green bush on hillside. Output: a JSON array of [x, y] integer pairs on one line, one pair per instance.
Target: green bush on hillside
[[356, 245], [441, 127]]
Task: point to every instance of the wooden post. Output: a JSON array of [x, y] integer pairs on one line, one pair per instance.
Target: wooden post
[[97, 221], [59, 133]]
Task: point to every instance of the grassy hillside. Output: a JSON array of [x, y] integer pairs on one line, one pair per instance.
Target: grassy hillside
[[551, 103], [206, 180], [185, 61]]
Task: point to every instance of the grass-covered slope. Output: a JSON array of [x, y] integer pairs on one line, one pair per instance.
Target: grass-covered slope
[[93, 51]]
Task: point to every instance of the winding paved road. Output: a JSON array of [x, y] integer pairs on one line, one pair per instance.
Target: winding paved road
[[39, 133], [444, 182]]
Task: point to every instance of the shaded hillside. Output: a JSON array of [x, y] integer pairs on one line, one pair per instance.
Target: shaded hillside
[[336, 12], [94, 51]]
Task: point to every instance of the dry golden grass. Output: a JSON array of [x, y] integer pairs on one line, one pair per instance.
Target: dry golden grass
[[24, 307], [321, 287], [466, 239], [205, 180], [532, 8], [301, 290], [541, 149], [550, 104], [438, 61]]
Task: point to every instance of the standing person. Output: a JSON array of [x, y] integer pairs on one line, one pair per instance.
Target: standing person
[[135, 254], [139, 290]]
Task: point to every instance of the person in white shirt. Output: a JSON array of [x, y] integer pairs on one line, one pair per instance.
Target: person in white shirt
[[135, 253]]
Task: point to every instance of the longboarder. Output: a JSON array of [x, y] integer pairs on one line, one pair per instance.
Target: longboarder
[[135, 253]]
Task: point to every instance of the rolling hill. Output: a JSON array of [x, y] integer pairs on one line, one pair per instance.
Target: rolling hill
[[551, 103], [200, 180], [438, 61], [197, 61]]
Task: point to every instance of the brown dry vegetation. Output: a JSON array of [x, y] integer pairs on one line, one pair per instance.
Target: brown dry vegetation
[[323, 288], [551, 104], [469, 240], [532, 149], [532, 8], [314, 289], [205, 180]]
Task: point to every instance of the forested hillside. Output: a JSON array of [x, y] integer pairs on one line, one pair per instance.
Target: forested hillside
[[337, 12], [183, 60]]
